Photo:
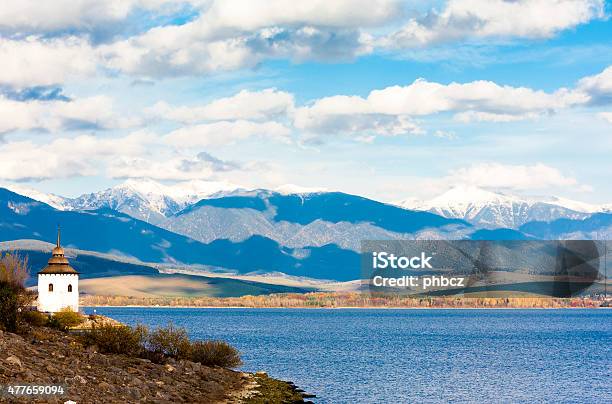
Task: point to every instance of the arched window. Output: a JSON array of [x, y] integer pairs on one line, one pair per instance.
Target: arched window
[[50, 287], [69, 288]]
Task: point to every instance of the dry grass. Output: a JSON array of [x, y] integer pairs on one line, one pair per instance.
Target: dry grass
[[337, 299], [143, 286], [13, 269], [14, 298]]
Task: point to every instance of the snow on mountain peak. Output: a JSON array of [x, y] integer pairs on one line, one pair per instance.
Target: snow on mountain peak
[[493, 209], [575, 205], [192, 191], [55, 201], [471, 195], [151, 200], [289, 189]]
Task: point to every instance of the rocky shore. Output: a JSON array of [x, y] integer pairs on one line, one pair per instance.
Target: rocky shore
[[43, 356]]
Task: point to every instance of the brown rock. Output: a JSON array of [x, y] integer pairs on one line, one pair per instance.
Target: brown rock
[[79, 379], [136, 382], [104, 386], [14, 361]]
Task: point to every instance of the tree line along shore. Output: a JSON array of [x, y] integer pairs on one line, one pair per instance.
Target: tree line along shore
[[344, 300]]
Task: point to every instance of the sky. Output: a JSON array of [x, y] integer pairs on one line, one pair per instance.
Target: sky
[[387, 99]]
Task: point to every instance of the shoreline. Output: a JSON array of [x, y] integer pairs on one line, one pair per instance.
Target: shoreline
[[47, 356], [343, 301], [347, 308]]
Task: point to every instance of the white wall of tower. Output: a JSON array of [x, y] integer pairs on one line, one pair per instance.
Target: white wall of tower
[[60, 297]]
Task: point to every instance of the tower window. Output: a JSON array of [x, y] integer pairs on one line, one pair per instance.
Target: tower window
[[50, 287], [69, 288]]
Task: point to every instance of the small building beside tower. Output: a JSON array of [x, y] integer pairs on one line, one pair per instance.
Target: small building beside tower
[[58, 283]]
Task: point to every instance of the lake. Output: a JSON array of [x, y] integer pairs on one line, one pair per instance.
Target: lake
[[375, 356]]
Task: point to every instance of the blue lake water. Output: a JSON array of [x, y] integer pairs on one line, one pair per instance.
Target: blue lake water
[[378, 356]]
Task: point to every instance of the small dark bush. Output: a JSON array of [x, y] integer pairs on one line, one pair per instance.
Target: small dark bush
[[170, 342], [35, 318], [117, 339], [9, 307], [215, 353], [66, 318], [15, 299]]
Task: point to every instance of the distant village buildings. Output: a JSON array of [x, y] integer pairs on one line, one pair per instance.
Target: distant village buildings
[[58, 283]]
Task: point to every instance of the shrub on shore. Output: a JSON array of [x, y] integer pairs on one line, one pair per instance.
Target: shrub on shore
[[35, 318], [215, 353], [66, 318], [160, 344], [169, 341], [117, 339], [14, 297]]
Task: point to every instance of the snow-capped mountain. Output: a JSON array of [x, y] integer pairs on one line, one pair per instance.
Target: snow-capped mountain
[[493, 210], [149, 200], [55, 201], [307, 219], [160, 204]]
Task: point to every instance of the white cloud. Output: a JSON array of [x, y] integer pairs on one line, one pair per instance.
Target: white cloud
[[606, 116], [226, 132], [443, 134], [136, 155], [351, 116], [56, 115], [423, 98], [43, 62], [173, 50], [251, 15], [389, 111], [478, 116], [253, 105], [202, 167], [598, 86], [35, 16], [66, 157], [185, 50], [234, 34], [174, 169], [512, 177], [468, 19]]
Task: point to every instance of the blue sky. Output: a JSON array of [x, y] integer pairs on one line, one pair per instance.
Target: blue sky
[[381, 98]]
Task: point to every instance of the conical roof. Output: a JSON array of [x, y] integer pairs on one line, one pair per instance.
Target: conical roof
[[58, 263]]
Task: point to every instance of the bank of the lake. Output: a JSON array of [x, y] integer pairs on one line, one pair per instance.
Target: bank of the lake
[[374, 355], [342, 300], [41, 356]]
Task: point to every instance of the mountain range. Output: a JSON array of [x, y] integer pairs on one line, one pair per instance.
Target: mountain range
[[315, 234]]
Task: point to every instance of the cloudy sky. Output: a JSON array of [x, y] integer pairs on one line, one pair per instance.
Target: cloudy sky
[[382, 98]]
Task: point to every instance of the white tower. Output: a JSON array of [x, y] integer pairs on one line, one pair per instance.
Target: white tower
[[58, 283]]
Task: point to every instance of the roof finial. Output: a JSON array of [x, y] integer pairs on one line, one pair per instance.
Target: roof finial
[[58, 235]]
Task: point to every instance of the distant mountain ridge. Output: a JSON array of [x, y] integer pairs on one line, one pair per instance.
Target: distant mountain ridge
[[157, 203], [314, 219], [496, 210], [207, 211], [148, 200], [313, 235], [108, 231]]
